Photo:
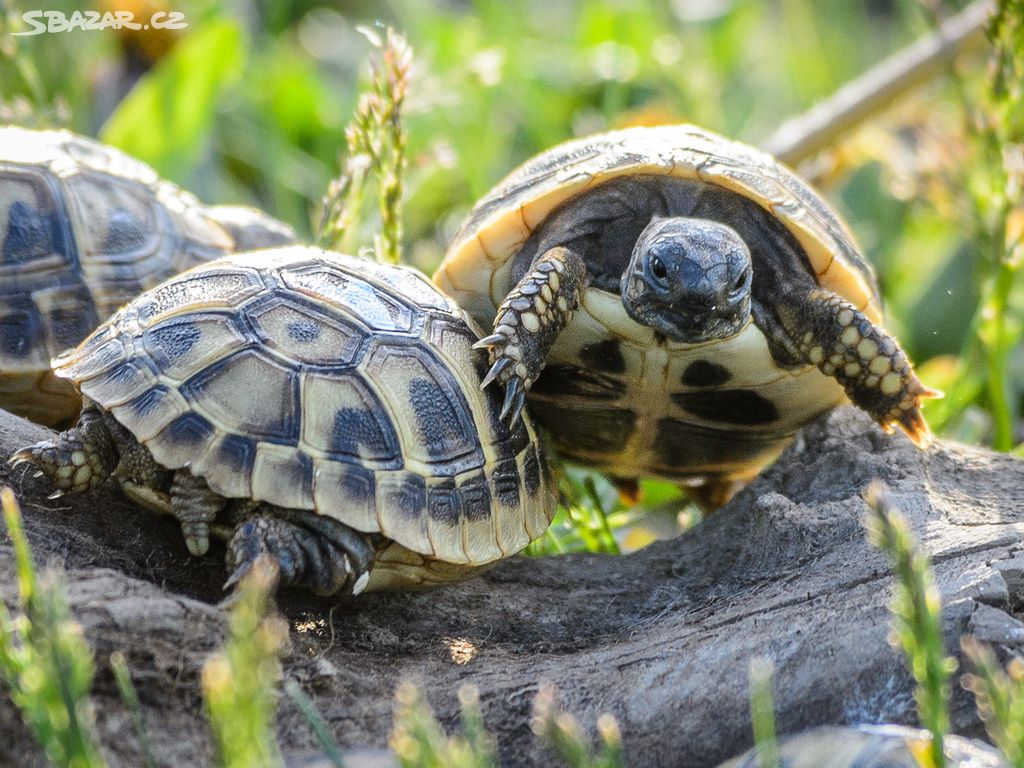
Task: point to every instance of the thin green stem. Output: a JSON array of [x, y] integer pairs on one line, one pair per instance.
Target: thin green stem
[[316, 723], [917, 617], [762, 712], [123, 678]]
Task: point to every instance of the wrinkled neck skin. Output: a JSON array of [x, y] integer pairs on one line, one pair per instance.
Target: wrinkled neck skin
[[689, 279]]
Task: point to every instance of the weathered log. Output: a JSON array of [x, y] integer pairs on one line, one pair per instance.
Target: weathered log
[[661, 638]]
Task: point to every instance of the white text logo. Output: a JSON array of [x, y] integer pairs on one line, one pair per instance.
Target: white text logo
[[40, 22]]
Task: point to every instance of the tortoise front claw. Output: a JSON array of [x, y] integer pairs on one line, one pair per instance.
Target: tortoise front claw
[[502, 365], [528, 322], [515, 396]]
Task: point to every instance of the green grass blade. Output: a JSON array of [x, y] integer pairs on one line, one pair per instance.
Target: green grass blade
[[240, 681], [917, 617], [376, 146], [316, 723], [762, 712], [130, 697], [167, 116], [565, 738], [1000, 698], [45, 661]]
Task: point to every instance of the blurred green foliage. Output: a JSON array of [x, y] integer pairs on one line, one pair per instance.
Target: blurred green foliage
[[45, 663], [916, 609], [249, 103], [240, 681]]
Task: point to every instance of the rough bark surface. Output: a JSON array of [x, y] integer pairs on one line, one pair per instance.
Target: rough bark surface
[[661, 638]]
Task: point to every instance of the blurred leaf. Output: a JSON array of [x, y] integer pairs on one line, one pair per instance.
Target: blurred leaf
[[167, 116]]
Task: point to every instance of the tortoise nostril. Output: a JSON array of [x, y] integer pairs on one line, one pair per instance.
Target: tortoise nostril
[[740, 283]]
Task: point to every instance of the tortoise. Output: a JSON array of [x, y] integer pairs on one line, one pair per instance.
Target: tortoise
[[314, 407], [869, 746], [690, 301], [83, 229]]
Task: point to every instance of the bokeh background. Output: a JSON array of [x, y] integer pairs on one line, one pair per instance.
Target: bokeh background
[[248, 104]]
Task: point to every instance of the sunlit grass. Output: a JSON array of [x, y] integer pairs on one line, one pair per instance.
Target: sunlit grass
[[762, 712], [376, 142], [1000, 698], [240, 682], [45, 662], [992, 217], [565, 738], [418, 740], [917, 619]]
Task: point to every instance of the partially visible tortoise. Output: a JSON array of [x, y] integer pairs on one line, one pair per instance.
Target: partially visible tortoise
[[869, 746], [690, 302], [319, 408], [84, 228]]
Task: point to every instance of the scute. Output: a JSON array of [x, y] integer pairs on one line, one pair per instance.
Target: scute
[[117, 223], [360, 299], [342, 418], [226, 288], [301, 333], [249, 393], [31, 225], [183, 347], [434, 419]]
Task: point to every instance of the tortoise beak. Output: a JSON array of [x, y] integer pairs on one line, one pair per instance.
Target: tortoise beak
[[685, 324]]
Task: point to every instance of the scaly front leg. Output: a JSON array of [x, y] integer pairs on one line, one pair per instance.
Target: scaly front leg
[[832, 334], [528, 322]]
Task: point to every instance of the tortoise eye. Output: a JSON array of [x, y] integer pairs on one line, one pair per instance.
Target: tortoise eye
[[658, 268], [738, 285]]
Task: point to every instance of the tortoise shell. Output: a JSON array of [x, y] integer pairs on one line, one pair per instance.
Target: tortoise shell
[[475, 271], [84, 228], [316, 381], [614, 393]]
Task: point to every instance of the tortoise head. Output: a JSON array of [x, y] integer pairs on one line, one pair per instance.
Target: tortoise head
[[689, 279]]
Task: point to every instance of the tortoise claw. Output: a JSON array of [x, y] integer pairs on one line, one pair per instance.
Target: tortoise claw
[[497, 369], [515, 396], [20, 457], [490, 341], [264, 562], [916, 428]]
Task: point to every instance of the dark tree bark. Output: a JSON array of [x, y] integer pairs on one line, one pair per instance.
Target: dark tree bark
[[661, 638]]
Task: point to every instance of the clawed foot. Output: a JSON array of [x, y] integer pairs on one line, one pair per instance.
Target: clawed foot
[[528, 322], [507, 371], [309, 550], [76, 460], [870, 365]]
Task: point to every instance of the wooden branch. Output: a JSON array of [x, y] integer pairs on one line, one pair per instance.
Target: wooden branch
[[802, 136], [661, 638]]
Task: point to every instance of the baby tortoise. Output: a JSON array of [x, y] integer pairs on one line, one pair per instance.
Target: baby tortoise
[[321, 409], [85, 228], [690, 301]]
